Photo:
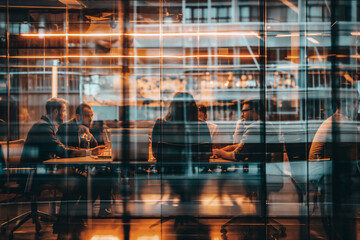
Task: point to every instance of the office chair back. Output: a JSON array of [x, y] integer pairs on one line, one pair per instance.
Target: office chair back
[[12, 151], [181, 153]]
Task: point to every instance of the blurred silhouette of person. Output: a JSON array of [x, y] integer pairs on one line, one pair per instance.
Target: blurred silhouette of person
[[335, 126], [249, 148], [24, 115], [76, 133], [3, 130], [42, 144], [181, 126], [336, 139], [100, 131], [214, 129], [181, 138]]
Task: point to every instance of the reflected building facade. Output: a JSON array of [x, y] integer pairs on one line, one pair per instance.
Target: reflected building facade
[[127, 59]]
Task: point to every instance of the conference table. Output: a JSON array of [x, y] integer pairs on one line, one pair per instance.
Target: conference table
[[217, 171], [221, 173], [224, 175]]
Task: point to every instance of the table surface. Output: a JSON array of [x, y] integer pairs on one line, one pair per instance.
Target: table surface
[[98, 160]]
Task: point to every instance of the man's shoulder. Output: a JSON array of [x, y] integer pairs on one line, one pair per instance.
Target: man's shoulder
[[41, 124], [71, 124]]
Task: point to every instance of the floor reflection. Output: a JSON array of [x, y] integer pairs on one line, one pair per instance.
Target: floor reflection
[[156, 214]]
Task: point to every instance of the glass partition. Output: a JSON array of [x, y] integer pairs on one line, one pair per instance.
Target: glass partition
[[199, 119]]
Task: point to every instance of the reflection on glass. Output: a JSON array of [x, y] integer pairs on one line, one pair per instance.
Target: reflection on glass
[[285, 169]]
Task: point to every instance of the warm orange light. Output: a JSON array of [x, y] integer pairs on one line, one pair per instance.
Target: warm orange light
[[292, 57], [355, 33], [190, 34], [187, 67], [69, 66], [155, 237], [290, 5], [54, 81], [150, 56], [120, 67], [317, 67], [185, 34], [318, 56], [104, 237], [348, 77]]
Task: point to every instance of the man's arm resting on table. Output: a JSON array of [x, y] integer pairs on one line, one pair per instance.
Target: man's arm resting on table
[[229, 155], [77, 152], [229, 148]]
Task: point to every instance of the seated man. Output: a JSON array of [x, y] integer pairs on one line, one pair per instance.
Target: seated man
[[42, 144], [75, 133], [250, 146], [3, 130], [337, 140]]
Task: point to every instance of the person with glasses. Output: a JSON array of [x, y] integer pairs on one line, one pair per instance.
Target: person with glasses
[[249, 147], [76, 132]]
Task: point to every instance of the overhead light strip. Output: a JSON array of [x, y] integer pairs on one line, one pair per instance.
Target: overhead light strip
[[121, 56], [185, 34]]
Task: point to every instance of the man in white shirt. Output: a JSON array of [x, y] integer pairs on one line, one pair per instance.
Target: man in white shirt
[[336, 139], [250, 146]]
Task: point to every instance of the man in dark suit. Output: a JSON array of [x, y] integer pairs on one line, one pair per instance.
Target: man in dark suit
[[42, 144], [76, 133]]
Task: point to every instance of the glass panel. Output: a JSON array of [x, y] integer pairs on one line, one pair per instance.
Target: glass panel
[[194, 119]]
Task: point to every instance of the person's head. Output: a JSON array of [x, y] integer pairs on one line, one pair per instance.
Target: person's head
[[250, 110], [84, 114], [347, 102], [202, 112], [182, 108], [56, 109]]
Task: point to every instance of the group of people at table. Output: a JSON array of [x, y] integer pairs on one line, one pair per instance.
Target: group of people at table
[[184, 123]]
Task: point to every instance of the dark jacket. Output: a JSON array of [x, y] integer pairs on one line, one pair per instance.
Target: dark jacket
[[175, 141], [42, 144], [70, 133]]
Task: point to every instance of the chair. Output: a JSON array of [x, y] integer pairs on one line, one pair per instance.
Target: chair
[[180, 153], [272, 167], [12, 154], [180, 160]]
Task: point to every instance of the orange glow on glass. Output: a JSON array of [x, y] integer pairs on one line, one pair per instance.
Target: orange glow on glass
[[187, 34], [150, 56]]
